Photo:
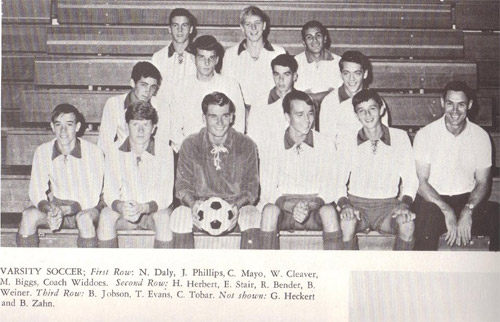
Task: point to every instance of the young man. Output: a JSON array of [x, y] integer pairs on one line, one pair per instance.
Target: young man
[[176, 60], [217, 162], [267, 117], [298, 178], [65, 184], [145, 81], [453, 160], [190, 91], [373, 162], [139, 180], [337, 116], [318, 68], [249, 61]]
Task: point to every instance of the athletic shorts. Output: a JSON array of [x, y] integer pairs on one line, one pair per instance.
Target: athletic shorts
[[313, 222], [373, 213], [145, 222]]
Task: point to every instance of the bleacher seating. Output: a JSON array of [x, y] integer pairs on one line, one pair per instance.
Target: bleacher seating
[[416, 47]]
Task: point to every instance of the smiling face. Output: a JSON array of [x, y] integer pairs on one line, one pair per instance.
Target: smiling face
[[206, 60], [353, 76], [253, 28], [284, 79], [65, 128], [218, 120], [369, 113], [314, 40], [145, 88], [181, 28], [301, 117], [140, 131], [455, 106]]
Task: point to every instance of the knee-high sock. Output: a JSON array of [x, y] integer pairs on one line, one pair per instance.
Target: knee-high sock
[[400, 244], [164, 244], [250, 239], [27, 241], [269, 240], [332, 240], [110, 243], [351, 244], [185, 240], [86, 242]]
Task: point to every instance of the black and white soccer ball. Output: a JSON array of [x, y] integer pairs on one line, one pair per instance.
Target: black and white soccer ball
[[215, 216]]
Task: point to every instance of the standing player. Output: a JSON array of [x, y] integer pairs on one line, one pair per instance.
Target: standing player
[[176, 60], [318, 67], [337, 116], [139, 179], [146, 80], [190, 91], [298, 170], [249, 61], [217, 162], [267, 117], [453, 159], [65, 184], [373, 162]]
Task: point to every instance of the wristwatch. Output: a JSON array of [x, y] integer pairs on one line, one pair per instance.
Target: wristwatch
[[470, 206]]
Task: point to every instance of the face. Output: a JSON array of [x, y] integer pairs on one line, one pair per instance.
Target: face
[[369, 113], [353, 76], [140, 131], [206, 60], [314, 40], [284, 79], [455, 106], [145, 88], [65, 128], [301, 117], [253, 28], [218, 120], [181, 28]]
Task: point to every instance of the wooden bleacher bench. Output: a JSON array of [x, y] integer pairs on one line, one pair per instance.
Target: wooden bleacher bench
[[146, 40], [390, 74], [24, 38], [18, 67], [281, 13], [477, 14], [26, 11]]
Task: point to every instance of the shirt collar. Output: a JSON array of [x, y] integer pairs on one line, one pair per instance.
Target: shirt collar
[[273, 96], [228, 143], [465, 130], [126, 147], [289, 143], [386, 136], [325, 55], [171, 49], [129, 99], [76, 152], [343, 96], [243, 45]]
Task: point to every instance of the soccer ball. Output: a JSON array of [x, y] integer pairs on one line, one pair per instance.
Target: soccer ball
[[215, 216]]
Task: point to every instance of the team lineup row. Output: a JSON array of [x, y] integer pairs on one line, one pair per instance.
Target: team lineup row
[[355, 174]]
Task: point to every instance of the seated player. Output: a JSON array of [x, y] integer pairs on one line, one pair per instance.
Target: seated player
[[337, 116], [248, 62], [176, 60], [65, 184], [266, 117], [217, 162], [190, 91], [145, 81], [453, 160], [318, 67], [138, 181], [373, 162], [298, 178]]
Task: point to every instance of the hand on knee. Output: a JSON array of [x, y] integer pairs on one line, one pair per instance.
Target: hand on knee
[[348, 227]]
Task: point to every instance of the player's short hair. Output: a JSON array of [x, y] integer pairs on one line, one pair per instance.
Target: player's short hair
[[207, 42], [296, 95], [354, 56], [140, 110], [145, 69], [458, 86], [364, 96], [322, 29], [285, 60], [216, 98], [66, 108], [252, 11], [181, 12]]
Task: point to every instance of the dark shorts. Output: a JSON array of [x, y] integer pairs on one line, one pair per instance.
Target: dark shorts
[[145, 222], [313, 222], [374, 212]]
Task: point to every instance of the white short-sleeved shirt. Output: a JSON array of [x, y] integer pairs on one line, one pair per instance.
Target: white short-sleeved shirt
[[254, 76], [453, 159], [318, 76]]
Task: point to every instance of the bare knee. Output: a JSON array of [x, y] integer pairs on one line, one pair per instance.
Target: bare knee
[[270, 216], [107, 223], [405, 230], [329, 218], [181, 220], [85, 223], [249, 217], [31, 218], [162, 224]]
